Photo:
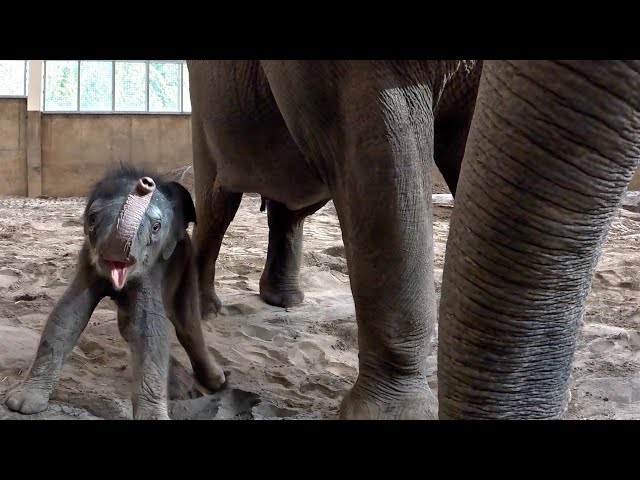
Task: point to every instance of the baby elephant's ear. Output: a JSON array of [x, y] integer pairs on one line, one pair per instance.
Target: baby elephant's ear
[[84, 219], [181, 199]]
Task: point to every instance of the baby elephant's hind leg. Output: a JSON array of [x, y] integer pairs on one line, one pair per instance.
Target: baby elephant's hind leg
[[186, 318], [146, 330]]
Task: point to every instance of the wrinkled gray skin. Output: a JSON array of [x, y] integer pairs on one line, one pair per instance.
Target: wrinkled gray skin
[[548, 147], [147, 234]]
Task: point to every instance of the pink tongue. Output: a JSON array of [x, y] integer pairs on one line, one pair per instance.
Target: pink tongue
[[118, 273]]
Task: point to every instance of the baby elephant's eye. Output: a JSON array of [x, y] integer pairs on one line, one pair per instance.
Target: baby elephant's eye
[[155, 228], [92, 219]]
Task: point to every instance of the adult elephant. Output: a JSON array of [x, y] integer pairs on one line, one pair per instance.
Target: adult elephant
[[550, 150]]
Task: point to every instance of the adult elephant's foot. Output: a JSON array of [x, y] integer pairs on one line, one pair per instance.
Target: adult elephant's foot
[[279, 282], [209, 303], [411, 404], [280, 294], [27, 400]]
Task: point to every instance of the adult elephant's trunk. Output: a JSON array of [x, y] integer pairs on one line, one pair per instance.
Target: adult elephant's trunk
[[118, 248], [551, 150]]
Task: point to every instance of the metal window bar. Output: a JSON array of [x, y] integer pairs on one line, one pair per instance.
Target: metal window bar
[[113, 85], [24, 81], [44, 86], [78, 91], [146, 86], [180, 106]]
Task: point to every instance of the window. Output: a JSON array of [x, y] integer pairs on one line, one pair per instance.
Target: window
[[61, 85], [116, 86], [13, 78], [131, 86]]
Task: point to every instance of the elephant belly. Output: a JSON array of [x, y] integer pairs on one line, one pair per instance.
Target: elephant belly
[[286, 184], [256, 154], [240, 129]]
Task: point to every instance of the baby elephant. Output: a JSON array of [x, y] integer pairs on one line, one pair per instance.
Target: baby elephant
[[136, 251]]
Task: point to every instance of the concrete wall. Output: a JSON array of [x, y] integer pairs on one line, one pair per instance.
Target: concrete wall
[[62, 154], [78, 148], [13, 146]]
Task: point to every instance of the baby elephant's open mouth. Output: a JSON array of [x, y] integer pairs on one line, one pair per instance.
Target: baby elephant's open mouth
[[119, 271]]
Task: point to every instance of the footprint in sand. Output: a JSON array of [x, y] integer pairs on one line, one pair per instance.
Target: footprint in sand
[[255, 331], [311, 352], [602, 346], [335, 251], [613, 389], [238, 309], [322, 389], [274, 336], [607, 277], [279, 379], [341, 370], [631, 339], [228, 404], [633, 285], [243, 269], [257, 356], [277, 347], [74, 223], [9, 276]]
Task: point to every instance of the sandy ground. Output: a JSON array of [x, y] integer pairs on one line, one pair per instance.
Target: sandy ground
[[294, 363]]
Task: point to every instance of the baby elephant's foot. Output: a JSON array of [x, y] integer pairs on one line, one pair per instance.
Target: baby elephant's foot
[[211, 376], [209, 303], [152, 416], [148, 410], [27, 400]]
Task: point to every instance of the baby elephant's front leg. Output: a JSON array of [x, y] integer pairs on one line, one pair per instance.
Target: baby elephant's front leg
[[61, 332], [146, 329]]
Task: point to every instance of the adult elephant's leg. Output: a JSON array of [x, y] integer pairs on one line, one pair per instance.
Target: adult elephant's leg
[[279, 283], [551, 150], [215, 209], [370, 133], [385, 215]]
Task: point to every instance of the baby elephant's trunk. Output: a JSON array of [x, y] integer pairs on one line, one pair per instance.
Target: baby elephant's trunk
[[130, 216]]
